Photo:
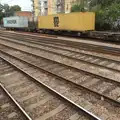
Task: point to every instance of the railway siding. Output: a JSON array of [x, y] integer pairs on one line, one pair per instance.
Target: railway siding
[[47, 36], [35, 97], [101, 48], [101, 71], [64, 46], [68, 72], [71, 94], [65, 72]]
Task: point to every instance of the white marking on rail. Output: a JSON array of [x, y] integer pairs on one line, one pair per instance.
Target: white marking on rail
[[52, 113], [6, 105], [11, 115], [1, 96], [118, 99], [29, 96], [23, 89], [41, 102], [8, 74], [74, 116], [15, 84], [91, 82]]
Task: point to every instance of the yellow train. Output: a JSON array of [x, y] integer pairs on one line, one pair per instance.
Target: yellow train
[[72, 22], [78, 21]]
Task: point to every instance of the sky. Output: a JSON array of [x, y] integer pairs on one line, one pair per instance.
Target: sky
[[24, 4]]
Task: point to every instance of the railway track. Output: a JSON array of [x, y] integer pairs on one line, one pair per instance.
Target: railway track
[[96, 87], [39, 100], [107, 66], [79, 56], [47, 67], [74, 74], [80, 45], [62, 47], [9, 107]]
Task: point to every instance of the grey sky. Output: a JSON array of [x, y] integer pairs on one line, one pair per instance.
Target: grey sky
[[25, 4]]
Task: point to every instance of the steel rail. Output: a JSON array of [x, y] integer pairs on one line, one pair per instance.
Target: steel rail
[[90, 73], [43, 44], [91, 115], [74, 43], [14, 101], [58, 47], [73, 58], [51, 73], [78, 44], [36, 40]]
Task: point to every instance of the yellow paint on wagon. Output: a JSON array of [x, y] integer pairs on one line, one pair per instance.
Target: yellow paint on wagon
[[78, 21]]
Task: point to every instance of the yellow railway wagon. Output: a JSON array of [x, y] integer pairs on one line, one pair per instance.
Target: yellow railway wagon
[[78, 21]]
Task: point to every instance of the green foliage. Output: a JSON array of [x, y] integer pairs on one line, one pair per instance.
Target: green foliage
[[102, 3], [10, 10], [6, 10], [14, 9], [107, 16], [77, 8]]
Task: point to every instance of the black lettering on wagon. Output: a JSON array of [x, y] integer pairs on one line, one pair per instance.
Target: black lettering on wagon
[[56, 21], [11, 21]]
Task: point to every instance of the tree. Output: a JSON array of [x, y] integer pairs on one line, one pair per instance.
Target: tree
[[10, 10], [106, 17], [6, 10], [107, 13], [15, 8], [77, 8], [1, 12]]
